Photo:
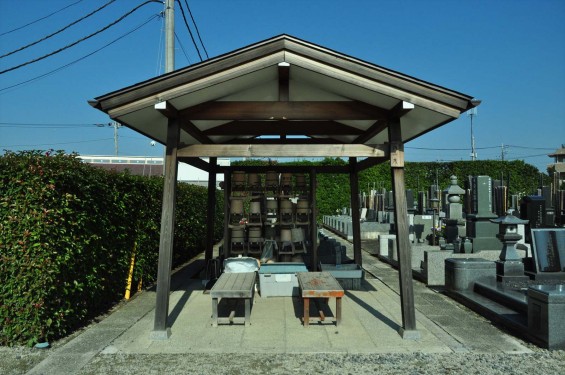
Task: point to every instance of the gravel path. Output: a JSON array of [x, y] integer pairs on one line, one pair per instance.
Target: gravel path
[[542, 362], [19, 360]]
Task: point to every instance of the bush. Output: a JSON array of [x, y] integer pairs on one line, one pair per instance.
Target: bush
[[68, 234]]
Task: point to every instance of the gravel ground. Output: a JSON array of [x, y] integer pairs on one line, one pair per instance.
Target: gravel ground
[[543, 362], [20, 360]]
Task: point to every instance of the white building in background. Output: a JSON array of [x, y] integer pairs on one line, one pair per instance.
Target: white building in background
[[153, 166]]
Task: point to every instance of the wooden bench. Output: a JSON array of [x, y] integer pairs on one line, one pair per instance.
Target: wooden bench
[[319, 285], [233, 286]]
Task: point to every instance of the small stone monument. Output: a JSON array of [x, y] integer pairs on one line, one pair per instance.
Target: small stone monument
[[454, 222], [509, 267]]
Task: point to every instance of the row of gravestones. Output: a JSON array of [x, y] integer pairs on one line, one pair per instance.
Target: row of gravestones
[[485, 200]]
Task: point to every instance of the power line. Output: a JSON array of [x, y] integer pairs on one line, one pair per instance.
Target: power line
[[182, 49], [50, 125], [58, 31], [450, 149], [189, 31], [59, 143], [81, 58], [196, 27], [39, 19], [80, 40]]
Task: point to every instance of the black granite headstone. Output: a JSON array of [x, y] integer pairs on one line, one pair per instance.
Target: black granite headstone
[[532, 208], [548, 249]]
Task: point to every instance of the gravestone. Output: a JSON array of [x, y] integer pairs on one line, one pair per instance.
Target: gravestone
[[532, 209], [548, 253], [422, 207], [549, 207], [479, 228], [410, 201], [423, 225]]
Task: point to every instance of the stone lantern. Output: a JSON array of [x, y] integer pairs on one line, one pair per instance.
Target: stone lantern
[[509, 267]]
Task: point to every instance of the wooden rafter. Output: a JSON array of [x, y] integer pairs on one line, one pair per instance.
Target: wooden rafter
[[397, 112], [304, 110], [286, 141], [168, 110], [284, 73], [283, 128]]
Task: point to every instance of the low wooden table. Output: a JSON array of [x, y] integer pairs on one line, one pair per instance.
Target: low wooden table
[[236, 286], [319, 285]]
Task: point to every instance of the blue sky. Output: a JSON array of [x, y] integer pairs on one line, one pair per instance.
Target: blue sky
[[508, 53]]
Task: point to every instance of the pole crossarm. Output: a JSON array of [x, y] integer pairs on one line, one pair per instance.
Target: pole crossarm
[[281, 110], [283, 150]]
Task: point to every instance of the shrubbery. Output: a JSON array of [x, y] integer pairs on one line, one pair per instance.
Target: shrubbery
[[333, 190], [68, 234]]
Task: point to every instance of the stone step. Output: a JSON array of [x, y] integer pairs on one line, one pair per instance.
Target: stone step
[[513, 299]]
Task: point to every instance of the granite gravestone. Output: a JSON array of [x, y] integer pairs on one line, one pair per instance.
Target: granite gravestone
[[532, 209], [479, 228], [548, 249]]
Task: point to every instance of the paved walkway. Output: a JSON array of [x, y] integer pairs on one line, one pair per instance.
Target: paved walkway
[[370, 321]]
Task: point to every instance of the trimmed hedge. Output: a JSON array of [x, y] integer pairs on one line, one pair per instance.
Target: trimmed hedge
[[68, 234], [333, 191]]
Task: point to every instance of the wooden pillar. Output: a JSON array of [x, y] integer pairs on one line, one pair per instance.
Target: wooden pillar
[[211, 213], [355, 216], [408, 329], [161, 330], [314, 225], [227, 203]]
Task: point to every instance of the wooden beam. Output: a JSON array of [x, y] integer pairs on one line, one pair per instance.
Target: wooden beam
[[283, 128], [369, 162], [283, 150], [227, 234], [375, 129], [168, 110], [286, 168], [284, 73], [161, 330], [211, 210], [194, 132], [397, 112], [304, 110], [408, 329], [287, 141], [197, 163], [355, 214], [401, 109], [314, 225]]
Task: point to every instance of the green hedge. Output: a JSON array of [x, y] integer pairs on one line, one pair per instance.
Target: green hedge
[[333, 190], [68, 234]]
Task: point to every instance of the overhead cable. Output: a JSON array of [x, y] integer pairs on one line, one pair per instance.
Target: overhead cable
[[197, 31], [60, 143], [182, 49], [80, 40], [58, 31], [39, 19], [81, 58], [189, 31]]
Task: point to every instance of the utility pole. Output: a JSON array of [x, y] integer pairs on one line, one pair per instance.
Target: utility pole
[[502, 152], [473, 113], [169, 36], [116, 126]]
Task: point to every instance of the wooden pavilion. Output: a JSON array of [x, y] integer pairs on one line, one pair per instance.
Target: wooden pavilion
[[284, 97]]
